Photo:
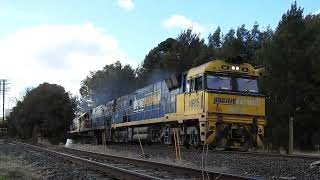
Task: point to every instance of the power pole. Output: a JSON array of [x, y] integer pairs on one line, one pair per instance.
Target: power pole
[[3, 97], [4, 89]]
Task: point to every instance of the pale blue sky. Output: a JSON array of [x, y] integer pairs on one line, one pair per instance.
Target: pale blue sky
[[61, 41], [141, 28]]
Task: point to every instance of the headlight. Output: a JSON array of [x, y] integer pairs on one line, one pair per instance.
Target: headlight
[[233, 68], [237, 68]]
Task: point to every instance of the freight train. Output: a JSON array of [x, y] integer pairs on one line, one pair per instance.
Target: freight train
[[218, 103]]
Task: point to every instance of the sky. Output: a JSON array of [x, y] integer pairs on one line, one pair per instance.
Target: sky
[[62, 41]]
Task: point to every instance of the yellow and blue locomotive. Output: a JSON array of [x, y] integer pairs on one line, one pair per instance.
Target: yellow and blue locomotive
[[217, 103]]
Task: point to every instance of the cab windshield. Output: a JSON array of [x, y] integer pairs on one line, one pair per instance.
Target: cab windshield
[[236, 84], [247, 85], [218, 82]]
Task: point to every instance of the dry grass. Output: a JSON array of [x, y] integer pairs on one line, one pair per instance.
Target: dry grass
[[308, 153], [284, 151], [11, 168]]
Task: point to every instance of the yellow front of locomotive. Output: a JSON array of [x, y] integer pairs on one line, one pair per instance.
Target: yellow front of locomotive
[[233, 105], [235, 121]]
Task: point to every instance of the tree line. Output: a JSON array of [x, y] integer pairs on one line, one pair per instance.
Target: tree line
[[44, 111], [171, 56]]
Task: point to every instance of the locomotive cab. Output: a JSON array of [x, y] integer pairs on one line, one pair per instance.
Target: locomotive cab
[[228, 102]]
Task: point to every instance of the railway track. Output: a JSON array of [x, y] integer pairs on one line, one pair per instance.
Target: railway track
[[130, 168]]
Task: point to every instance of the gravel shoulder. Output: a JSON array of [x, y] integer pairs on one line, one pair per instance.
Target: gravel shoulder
[[15, 168], [243, 164], [21, 163]]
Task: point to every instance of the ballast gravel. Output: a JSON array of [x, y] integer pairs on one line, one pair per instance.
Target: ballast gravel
[[265, 167], [49, 166]]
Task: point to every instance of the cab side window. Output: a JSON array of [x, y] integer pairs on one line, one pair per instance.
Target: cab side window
[[188, 86], [198, 83], [184, 83], [192, 85]]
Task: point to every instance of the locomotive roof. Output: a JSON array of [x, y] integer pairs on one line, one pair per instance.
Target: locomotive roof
[[220, 66]]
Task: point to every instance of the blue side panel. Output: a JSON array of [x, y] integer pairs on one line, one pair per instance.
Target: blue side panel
[[171, 101], [123, 109], [98, 121], [152, 101], [97, 116]]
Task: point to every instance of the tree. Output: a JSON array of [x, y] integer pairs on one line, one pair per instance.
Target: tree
[[193, 50], [46, 110], [292, 59], [232, 45], [164, 56], [112, 81], [240, 42], [174, 55], [215, 39]]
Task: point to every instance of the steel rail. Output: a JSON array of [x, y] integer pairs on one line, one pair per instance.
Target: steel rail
[[126, 174], [191, 172], [117, 172]]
